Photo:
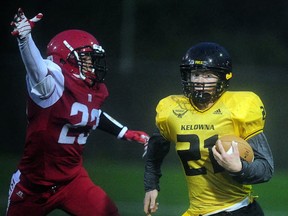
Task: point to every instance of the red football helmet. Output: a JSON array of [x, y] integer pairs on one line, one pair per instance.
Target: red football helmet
[[78, 52]]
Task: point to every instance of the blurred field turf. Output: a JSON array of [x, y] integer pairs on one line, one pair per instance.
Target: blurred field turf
[[123, 181]]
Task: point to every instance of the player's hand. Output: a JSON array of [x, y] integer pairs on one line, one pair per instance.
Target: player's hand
[[22, 25], [229, 161], [138, 136], [150, 204]]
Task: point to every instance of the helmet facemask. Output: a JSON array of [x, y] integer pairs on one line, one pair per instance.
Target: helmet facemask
[[202, 93], [91, 63]]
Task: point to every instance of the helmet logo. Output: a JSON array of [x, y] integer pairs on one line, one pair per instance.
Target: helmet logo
[[199, 62], [228, 76]]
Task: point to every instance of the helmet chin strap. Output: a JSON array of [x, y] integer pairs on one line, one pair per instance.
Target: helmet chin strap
[[202, 97], [201, 100]]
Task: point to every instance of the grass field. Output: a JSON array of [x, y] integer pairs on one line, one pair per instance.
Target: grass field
[[124, 183]]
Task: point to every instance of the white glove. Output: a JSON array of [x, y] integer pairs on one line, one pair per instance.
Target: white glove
[[22, 25]]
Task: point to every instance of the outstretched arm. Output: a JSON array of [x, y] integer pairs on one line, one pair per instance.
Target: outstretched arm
[[33, 61], [110, 125], [36, 68]]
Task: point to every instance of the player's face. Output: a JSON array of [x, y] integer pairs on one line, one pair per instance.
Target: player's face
[[204, 81], [87, 65]]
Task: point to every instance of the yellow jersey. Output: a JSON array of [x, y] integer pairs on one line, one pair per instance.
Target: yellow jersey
[[194, 133]]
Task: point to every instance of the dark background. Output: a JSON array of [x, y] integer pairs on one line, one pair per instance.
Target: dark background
[[144, 41]]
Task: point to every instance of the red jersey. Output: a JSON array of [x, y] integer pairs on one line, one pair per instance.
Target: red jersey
[[58, 127]]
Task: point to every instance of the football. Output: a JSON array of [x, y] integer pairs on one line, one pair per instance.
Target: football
[[245, 150]]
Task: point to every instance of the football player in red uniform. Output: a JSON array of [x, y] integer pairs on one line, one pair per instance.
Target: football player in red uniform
[[66, 92], [218, 183]]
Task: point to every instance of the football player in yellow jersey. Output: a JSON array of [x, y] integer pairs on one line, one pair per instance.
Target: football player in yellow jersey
[[218, 183]]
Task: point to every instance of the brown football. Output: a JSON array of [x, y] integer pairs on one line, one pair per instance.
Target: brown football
[[245, 150]]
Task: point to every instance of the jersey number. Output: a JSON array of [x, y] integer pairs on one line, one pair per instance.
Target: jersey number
[[78, 109], [194, 154]]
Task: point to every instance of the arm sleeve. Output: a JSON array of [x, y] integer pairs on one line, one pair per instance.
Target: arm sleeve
[[33, 61], [110, 125], [262, 168], [158, 148], [40, 81]]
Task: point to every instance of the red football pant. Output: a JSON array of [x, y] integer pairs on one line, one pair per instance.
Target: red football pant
[[80, 197]]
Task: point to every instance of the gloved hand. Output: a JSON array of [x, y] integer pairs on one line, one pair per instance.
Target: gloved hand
[[22, 25], [138, 136]]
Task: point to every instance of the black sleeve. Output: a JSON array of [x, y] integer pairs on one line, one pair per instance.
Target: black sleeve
[[262, 168], [158, 148], [110, 125]]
